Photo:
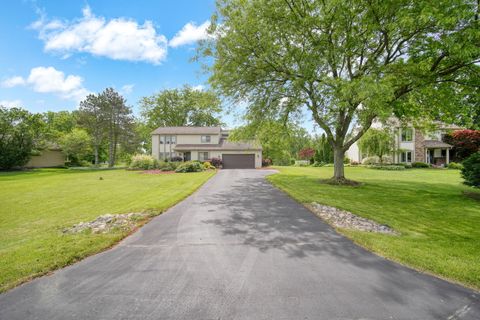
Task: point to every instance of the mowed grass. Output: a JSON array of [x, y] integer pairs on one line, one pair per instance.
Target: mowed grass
[[35, 206], [440, 227]]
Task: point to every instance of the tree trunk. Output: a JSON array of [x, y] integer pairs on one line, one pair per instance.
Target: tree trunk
[[96, 155], [111, 160], [338, 167]]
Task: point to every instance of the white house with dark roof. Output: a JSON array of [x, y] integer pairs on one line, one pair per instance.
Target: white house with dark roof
[[204, 143], [413, 144]]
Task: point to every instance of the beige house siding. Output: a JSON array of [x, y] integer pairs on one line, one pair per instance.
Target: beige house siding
[[180, 139], [193, 144], [48, 158]]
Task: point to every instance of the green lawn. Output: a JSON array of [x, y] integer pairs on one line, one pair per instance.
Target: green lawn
[[36, 205], [440, 228]]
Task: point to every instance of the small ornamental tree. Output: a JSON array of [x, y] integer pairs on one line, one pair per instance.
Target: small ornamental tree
[[464, 142], [76, 145], [471, 170], [306, 153], [377, 142]]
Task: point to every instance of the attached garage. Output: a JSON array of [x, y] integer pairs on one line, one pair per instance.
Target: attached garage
[[238, 161]]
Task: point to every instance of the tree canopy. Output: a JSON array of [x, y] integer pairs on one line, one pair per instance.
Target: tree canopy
[[181, 107], [377, 142], [348, 62], [18, 129], [281, 142]]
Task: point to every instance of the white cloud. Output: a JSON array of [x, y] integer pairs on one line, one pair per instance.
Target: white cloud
[[199, 87], [13, 82], [127, 89], [11, 103], [51, 80], [190, 34], [118, 39]]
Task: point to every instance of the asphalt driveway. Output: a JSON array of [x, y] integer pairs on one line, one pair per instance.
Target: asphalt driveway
[[238, 249]]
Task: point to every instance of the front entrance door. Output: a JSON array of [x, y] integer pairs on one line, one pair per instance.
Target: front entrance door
[[187, 156]]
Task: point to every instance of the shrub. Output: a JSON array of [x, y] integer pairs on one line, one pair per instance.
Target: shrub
[[420, 165], [318, 164], [471, 170], [370, 160], [143, 162], [216, 162], [208, 166], [190, 166], [266, 162], [387, 167], [176, 159], [354, 163], [302, 163], [306, 153], [167, 166], [455, 165]]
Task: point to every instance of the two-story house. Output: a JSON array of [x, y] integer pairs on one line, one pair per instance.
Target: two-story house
[[204, 143], [413, 144]]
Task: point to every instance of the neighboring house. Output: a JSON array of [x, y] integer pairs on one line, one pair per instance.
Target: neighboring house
[[51, 157], [204, 143], [413, 145]]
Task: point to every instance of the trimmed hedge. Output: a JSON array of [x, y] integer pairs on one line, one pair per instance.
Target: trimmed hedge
[[387, 167], [420, 165]]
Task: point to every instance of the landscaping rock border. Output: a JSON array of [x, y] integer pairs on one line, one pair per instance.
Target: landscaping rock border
[[344, 219], [107, 222]]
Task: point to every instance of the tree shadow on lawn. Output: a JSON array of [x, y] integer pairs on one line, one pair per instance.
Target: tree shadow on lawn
[[263, 217]]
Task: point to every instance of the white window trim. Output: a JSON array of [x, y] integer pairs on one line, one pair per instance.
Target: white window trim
[[401, 134], [205, 136], [208, 155]]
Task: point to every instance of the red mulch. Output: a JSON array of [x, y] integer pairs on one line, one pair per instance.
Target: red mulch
[[157, 172]]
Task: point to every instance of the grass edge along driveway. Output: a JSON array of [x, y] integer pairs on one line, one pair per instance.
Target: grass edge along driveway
[[37, 205], [438, 224]]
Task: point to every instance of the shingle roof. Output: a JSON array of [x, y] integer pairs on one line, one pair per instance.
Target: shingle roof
[[187, 130], [223, 145], [435, 144]]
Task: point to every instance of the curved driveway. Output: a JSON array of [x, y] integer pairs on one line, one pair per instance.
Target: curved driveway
[[238, 249]]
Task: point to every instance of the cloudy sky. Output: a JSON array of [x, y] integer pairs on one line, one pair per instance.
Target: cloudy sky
[[55, 52]]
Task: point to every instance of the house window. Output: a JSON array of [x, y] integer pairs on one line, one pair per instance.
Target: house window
[[203, 156], [168, 139], [407, 135], [205, 139], [407, 156]]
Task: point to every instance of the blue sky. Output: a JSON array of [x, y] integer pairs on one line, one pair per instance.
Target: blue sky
[[55, 52]]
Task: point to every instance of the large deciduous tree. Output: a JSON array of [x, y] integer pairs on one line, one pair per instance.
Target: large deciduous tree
[[181, 107], [18, 129], [349, 62]]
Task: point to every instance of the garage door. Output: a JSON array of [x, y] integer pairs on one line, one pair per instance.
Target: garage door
[[238, 161]]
